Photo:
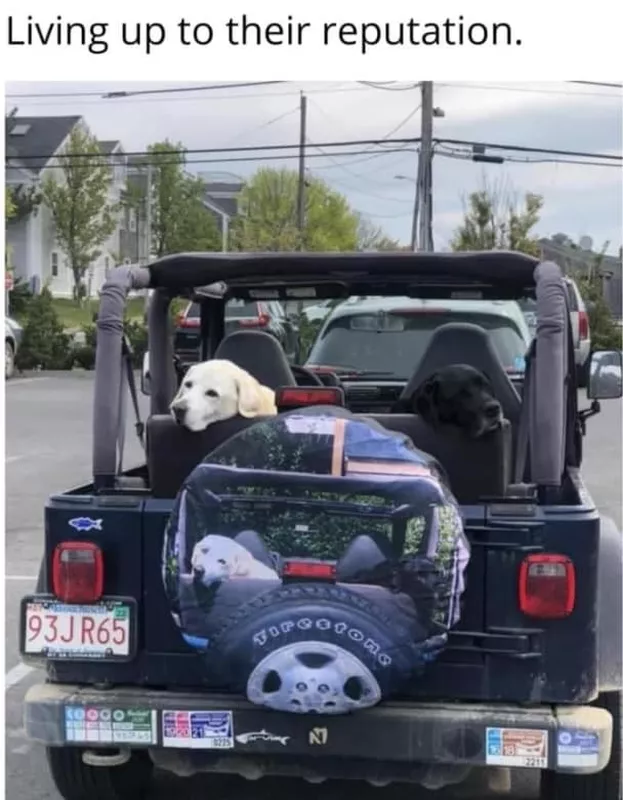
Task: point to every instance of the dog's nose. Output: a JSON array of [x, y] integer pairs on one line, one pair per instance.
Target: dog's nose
[[493, 410], [178, 413]]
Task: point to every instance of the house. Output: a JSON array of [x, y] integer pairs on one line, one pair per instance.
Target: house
[[221, 199], [32, 148]]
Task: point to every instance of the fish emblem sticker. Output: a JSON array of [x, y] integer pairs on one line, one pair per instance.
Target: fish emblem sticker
[[84, 524]]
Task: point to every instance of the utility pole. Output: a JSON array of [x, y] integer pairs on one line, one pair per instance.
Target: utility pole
[[148, 213], [421, 231], [300, 205]]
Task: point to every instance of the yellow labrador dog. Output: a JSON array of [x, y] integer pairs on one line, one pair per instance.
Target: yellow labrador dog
[[219, 557], [217, 390]]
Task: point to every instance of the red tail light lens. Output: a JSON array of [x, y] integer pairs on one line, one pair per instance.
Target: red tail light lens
[[309, 396], [308, 570], [547, 586], [261, 321], [583, 324], [183, 321], [78, 572]]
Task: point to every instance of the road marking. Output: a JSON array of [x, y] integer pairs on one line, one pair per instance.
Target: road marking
[[20, 577], [17, 674], [13, 459]]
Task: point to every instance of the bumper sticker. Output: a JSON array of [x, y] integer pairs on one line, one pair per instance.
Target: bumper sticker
[[199, 730], [577, 748], [517, 747], [110, 726]]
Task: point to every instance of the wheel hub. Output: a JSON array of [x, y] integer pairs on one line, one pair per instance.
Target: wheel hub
[[313, 677]]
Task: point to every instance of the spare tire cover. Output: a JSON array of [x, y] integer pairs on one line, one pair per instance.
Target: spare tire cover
[[316, 562]]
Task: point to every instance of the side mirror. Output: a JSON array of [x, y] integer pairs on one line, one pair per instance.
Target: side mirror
[[605, 381], [145, 376]]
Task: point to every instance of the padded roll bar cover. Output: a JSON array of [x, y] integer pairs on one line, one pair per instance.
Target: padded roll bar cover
[[107, 388], [161, 364], [548, 398]]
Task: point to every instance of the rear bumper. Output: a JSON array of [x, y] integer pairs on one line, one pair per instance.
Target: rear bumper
[[575, 739]]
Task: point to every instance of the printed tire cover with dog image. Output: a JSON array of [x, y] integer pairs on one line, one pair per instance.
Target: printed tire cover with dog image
[[324, 488]]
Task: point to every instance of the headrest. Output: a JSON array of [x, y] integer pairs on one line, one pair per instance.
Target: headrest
[[464, 343], [260, 354]]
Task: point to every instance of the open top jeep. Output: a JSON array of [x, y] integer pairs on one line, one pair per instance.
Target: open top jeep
[[327, 594]]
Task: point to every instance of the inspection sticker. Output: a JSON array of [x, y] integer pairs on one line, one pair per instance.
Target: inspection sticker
[[577, 748], [120, 726], [517, 747], [200, 730]]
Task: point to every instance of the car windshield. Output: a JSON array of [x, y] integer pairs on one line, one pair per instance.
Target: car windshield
[[395, 342], [233, 308]]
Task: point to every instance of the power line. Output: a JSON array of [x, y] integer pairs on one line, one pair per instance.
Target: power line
[[333, 144], [599, 83], [466, 155], [526, 89], [118, 94]]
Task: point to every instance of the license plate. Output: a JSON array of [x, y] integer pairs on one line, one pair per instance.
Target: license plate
[[58, 630]]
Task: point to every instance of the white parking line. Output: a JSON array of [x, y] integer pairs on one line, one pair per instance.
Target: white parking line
[[17, 674], [20, 381], [20, 577]]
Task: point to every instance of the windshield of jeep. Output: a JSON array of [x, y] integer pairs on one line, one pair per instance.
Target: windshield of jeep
[[396, 342]]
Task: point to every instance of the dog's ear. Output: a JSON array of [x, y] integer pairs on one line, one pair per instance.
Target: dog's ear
[[250, 397], [241, 565], [425, 398]]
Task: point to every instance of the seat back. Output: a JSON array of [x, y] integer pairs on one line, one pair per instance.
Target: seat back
[[173, 451], [476, 468], [464, 343], [260, 354]]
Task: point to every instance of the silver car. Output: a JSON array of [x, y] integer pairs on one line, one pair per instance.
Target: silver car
[[13, 332]]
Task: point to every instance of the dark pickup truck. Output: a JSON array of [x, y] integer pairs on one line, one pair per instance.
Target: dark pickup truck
[[322, 673]]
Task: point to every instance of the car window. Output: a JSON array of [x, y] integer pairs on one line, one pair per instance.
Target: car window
[[193, 311], [571, 296], [397, 346], [240, 308]]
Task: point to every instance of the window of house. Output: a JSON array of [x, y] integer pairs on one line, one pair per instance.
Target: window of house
[[132, 220], [55, 265], [106, 266]]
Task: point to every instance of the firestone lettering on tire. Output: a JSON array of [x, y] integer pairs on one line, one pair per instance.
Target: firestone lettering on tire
[[262, 637]]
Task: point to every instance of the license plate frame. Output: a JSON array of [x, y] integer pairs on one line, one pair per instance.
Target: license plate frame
[[107, 604]]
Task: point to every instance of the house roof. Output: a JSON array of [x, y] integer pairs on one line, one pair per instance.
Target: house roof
[[34, 140], [109, 146]]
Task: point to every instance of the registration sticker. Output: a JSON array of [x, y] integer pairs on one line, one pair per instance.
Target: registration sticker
[[67, 631], [517, 747], [114, 726], [577, 748], [199, 730]]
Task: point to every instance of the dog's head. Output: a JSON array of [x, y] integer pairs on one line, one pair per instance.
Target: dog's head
[[461, 397], [218, 558], [217, 390]]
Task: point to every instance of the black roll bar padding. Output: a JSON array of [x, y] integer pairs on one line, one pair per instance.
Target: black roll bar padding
[[108, 369], [161, 365]]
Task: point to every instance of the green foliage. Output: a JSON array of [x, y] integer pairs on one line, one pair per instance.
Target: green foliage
[[493, 220], [135, 330], [605, 333], [10, 209], [19, 298], [44, 344], [78, 198], [180, 221], [308, 332], [267, 220], [371, 237], [21, 201]]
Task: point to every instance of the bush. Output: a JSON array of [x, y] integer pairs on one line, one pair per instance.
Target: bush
[[136, 332], [44, 344], [605, 333], [20, 298]]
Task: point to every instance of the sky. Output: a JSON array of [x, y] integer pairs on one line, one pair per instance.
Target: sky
[[579, 199]]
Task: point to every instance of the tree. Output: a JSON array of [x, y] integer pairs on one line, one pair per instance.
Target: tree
[[79, 201], [44, 344], [180, 220], [605, 333], [373, 237], [9, 206], [267, 218], [493, 220]]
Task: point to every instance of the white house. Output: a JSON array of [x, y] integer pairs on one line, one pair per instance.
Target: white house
[[32, 147]]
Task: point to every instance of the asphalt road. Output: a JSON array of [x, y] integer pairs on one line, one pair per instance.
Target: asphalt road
[[48, 435]]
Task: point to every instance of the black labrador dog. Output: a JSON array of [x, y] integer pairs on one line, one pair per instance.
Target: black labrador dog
[[457, 396]]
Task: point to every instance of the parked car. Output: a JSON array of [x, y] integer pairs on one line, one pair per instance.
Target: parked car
[[374, 344], [13, 332], [268, 316], [580, 327]]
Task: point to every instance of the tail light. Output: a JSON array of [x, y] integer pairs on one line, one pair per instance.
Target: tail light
[[261, 321], [547, 586], [583, 324], [304, 570], [78, 572], [182, 321], [296, 397]]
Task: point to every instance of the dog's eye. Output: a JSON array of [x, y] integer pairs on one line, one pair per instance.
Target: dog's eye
[[222, 561], [211, 393], [188, 384]]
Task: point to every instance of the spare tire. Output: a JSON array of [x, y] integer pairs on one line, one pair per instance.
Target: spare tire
[[318, 648]]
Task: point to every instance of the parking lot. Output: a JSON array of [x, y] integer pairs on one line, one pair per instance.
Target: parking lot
[[48, 433]]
